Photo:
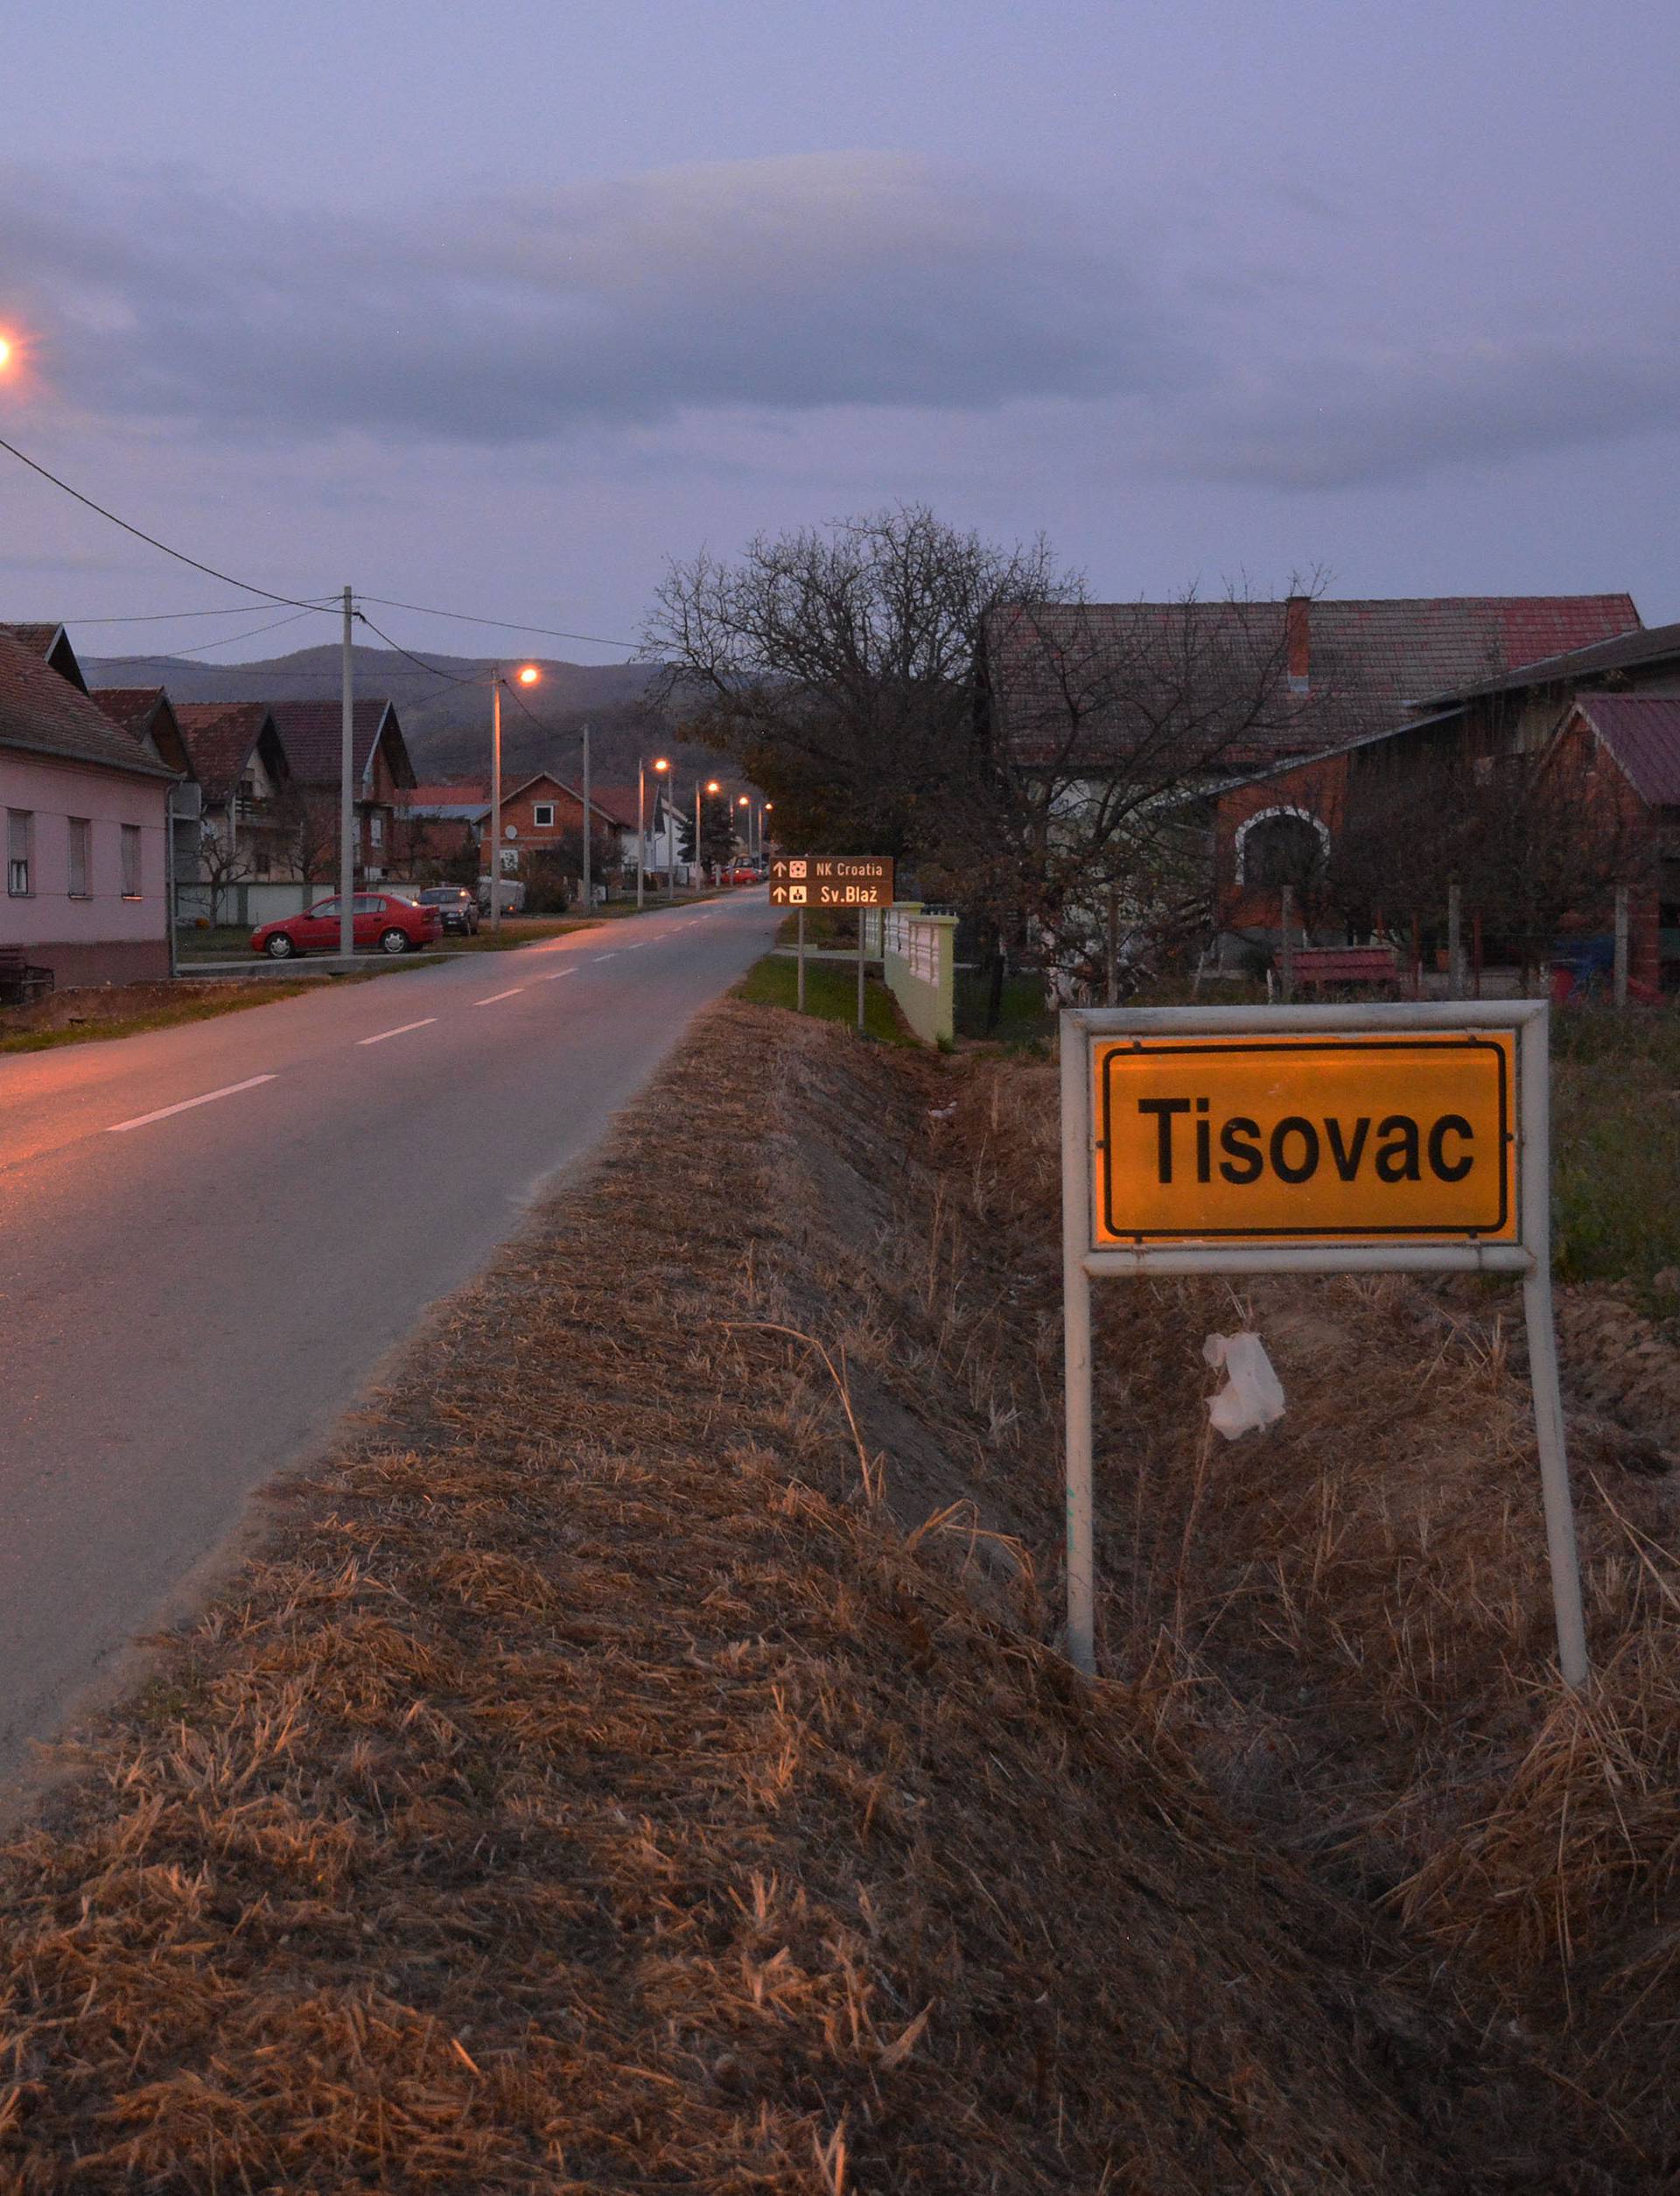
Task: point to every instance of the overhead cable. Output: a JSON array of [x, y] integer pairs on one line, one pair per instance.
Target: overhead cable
[[295, 602]]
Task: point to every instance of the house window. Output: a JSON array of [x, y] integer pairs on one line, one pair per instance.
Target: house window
[[20, 834], [542, 815], [81, 832], [130, 861], [376, 829]]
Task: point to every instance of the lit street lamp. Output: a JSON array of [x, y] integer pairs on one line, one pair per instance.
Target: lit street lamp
[[641, 820], [526, 675], [712, 786]]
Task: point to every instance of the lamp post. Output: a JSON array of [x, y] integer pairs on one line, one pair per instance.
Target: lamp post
[[712, 786], [526, 675], [641, 820], [745, 802], [764, 811]]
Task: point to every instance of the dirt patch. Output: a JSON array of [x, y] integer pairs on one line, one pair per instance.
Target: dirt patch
[[595, 1787]]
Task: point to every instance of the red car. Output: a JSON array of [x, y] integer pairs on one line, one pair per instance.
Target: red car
[[384, 919]]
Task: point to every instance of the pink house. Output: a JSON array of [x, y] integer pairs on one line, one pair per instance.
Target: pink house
[[84, 810]]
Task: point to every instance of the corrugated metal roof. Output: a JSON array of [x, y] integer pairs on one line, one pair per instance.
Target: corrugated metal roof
[[1642, 731], [42, 713]]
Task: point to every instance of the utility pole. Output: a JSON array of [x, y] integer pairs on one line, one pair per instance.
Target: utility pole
[[347, 789], [589, 904], [493, 829]]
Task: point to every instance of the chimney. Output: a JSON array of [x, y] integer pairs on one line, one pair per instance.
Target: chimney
[[1297, 613]]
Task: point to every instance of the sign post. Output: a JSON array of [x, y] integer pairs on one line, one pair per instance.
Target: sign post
[[1310, 1140], [855, 881]]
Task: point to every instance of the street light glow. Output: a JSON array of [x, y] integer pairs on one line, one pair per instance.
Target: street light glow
[[529, 675], [5, 353], [712, 786], [661, 764]]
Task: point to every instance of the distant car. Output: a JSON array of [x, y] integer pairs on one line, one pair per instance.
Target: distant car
[[458, 907], [389, 920], [744, 877]]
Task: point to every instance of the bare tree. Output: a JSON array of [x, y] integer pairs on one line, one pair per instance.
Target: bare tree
[[902, 688], [223, 863], [1536, 843]]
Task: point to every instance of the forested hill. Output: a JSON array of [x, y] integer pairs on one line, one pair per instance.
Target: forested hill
[[445, 711]]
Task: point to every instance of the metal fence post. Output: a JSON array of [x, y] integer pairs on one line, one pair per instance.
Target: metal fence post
[[1076, 1348]]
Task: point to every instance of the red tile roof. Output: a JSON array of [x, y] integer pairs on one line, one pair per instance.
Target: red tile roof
[[41, 713], [446, 794], [37, 638], [221, 736], [1630, 651], [1642, 732], [1370, 664], [312, 734], [130, 707]]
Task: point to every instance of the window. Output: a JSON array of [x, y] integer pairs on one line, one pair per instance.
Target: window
[[130, 861], [81, 834], [542, 815], [20, 833], [376, 829]]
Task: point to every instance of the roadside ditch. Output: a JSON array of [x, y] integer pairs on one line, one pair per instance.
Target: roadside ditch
[[640, 1758]]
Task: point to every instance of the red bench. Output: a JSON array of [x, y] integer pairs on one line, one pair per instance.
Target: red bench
[[1318, 967]]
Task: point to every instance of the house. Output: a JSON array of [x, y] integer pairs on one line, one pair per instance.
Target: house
[[1385, 662], [436, 825], [144, 713], [545, 815], [87, 812], [1234, 716], [656, 848], [1601, 719], [249, 826], [313, 734]]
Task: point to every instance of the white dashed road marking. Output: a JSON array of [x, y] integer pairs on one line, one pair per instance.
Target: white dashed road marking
[[494, 996], [163, 1113], [401, 1032]]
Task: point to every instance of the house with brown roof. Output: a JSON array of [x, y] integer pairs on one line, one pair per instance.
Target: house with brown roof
[[248, 825], [543, 816], [87, 816], [313, 734], [146, 714], [438, 826], [1603, 719]]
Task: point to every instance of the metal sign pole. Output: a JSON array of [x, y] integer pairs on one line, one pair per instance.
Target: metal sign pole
[[1186, 1231], [860, 972], [1077, 1347], [1534, 1074], [801, 960]]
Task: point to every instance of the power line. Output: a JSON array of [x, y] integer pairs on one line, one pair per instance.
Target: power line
[[228, 640], [507, 625], [430, 669], [169, 617], [294, 603]]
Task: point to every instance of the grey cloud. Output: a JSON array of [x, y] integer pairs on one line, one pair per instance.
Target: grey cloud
[[1336, 421], [789, 285]]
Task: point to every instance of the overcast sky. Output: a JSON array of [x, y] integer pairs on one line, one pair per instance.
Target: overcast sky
[[497, 308]]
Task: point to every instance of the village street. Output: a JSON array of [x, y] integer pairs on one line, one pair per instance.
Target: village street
[[209, 1237]]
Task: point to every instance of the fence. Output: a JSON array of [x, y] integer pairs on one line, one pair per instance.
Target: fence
[[245, 904], [918, 955]]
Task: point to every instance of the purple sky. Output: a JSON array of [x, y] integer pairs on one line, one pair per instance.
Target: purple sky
[[499, 307]]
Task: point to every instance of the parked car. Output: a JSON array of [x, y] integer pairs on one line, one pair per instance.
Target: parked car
[[458, 907], [389, 920], [744, 875], [511, 894]]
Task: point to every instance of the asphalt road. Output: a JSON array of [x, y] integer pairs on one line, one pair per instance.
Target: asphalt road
[[210, 1236]]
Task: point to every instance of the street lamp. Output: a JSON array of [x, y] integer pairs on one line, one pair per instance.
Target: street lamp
[[745, 802], [641, 820], [712, 786], [526, 675]]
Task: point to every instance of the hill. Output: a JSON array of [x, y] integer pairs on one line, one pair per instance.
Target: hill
[[445, 710]]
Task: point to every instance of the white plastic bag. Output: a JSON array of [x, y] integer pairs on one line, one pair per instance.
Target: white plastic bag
[[1252, 1396]]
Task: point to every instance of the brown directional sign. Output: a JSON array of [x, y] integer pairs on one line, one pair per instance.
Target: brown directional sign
[[831, 880]]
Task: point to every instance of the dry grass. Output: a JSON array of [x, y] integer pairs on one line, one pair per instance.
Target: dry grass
[[126, 1010], [642, 1761], [594, 1789]]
